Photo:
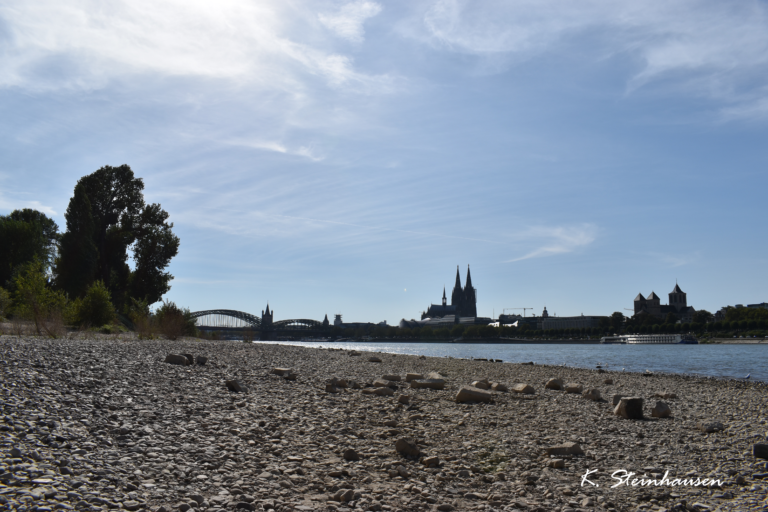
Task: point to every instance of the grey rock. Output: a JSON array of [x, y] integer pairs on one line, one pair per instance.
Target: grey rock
[[630, 408], [236, 386], [407, 446], [176, 359]]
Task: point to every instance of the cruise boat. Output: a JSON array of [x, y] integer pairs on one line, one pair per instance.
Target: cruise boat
[[614, 340], [665, 339]]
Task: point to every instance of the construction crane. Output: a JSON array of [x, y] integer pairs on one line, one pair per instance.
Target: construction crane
[[524, 309]]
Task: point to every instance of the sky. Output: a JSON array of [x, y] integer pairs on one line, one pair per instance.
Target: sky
[[344, 157]]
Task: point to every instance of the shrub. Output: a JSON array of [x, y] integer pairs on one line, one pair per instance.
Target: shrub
[[5, 301], [96, 307], [34, 300], [175, 322]]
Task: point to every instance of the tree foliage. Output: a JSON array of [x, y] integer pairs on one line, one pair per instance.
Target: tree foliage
[[34, 300], [26, 235], [95, 309], [106, 218]]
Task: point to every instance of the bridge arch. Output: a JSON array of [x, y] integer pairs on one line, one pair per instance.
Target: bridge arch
[[226, 318]]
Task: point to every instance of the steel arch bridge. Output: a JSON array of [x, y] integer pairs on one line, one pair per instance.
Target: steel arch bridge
[[298, 324], [226, 318], [229, 319]]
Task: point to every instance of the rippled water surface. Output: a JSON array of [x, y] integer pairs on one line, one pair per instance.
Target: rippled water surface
[[729, 361]]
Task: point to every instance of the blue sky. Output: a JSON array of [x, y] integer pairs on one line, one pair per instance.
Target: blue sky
[[344, 157]]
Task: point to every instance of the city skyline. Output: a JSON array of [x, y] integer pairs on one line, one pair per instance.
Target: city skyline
[[343, 157]]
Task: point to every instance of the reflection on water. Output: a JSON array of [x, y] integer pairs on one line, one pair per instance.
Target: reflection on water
[[728, 361]]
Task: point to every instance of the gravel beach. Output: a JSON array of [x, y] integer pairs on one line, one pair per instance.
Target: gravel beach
[[103, 422]]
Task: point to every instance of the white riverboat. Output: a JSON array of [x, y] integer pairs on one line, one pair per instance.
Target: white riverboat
[[614, 340], [661, 339]]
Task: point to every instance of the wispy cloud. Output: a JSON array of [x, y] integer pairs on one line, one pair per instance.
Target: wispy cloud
[[348, 21], [77, 44], [555, 240], [717, 50]]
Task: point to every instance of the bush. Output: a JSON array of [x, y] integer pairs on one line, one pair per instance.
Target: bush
[[175, 322], [5, 301], [34, 300], [96, 307]]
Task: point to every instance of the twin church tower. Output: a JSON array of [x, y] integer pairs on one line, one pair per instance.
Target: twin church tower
[[463, 301]]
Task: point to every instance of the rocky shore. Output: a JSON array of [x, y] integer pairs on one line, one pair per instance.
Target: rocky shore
[[103, 423]]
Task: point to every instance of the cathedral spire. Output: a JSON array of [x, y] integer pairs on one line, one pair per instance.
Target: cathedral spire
[[444, 299], [469, 279], [458, 278]]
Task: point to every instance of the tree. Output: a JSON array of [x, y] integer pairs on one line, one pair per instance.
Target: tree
[[95, 308], [703, 317], [617, 321], [76, 266], [26, 235], [33, 299], [671, 318], [108, 209]]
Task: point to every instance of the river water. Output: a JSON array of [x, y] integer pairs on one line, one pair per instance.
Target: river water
[[713, 360]]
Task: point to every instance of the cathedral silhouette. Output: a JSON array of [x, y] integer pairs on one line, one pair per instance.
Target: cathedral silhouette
[[463, 301]]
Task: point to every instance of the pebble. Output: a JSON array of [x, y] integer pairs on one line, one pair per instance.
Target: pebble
[[97, 422]]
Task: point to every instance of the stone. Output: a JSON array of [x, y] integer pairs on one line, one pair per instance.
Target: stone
[[498, 386], [522, 388], [432, 461], [616, 399], [481, 384], [379, 391], [201, 360], [434, 375], [572, 387], [557, 463], [413, 376], [665, 395], [710, 426], [760, 451], [428, 384], [630, 408], [661, 410], [390, 423], [393, 378], [176, 359], [407, 446], [282, 372], [199, 499], [351, 454], [592, 394], [236, 386], [374, 359], [382, 383], [131, 505], [472, 394], [330, 388], [15, 453], [565, 449], [608, 382], [445, 507], [190, 358], [244, 505], [344, 495], [404, 399], [183, 506], [403, 472], [339, 383], [555, 384]]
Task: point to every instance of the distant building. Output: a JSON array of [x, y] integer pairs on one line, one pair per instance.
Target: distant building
[[355, 325], [463, 301], [547, 322], [678, 305], [720, 315]]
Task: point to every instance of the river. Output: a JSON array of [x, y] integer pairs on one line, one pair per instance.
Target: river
[[712, 360]]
